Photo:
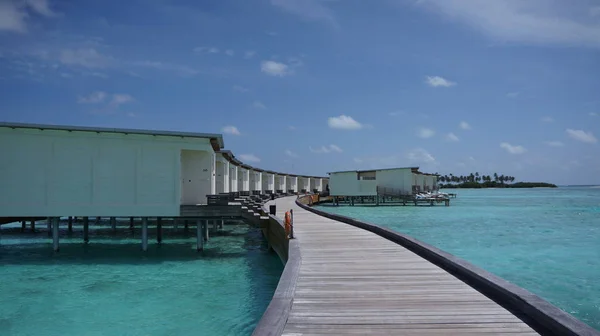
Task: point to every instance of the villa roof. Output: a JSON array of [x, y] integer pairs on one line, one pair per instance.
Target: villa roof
[[215, 139]]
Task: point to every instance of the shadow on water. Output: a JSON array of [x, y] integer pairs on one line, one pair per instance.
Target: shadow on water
[[264, 271], [122, 246]]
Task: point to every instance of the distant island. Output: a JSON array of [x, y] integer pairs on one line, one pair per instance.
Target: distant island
[[476, 181]]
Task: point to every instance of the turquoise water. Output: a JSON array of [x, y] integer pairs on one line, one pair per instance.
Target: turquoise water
[[544, 240], [112, 288]]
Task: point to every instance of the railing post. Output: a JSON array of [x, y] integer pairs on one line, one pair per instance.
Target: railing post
[[292, 224]]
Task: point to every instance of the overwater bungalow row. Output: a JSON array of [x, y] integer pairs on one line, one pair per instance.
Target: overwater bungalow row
[[50, 171], [392, 185]]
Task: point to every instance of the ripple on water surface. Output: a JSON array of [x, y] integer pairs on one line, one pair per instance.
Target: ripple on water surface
[[111, 288], [544, 240]]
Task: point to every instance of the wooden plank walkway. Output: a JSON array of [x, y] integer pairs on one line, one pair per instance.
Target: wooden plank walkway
[[354, 282]]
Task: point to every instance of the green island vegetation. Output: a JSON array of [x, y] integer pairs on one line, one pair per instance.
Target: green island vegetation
[[475, 180]]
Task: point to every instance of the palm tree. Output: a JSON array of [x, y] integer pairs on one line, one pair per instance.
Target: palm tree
[[512, 179], [496, 177]]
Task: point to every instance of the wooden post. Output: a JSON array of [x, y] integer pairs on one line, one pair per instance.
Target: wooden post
[[215, 225], [206, 230], [186, 225], [199, 238], [97, 220], [352, 200], [144, 234], [113, 223], [377, 200], [49, 224], [86, 230], [32, 226], [23, 225], [159, 230], [70, 224], [222, 224], [175, 224], [131, 223], [447, 202], [56, 221]]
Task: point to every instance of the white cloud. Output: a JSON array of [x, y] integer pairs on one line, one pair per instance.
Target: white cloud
[[240, 88], [513, 149], [180, 70], [436, 81], [555, 144], [513, 94], [13, 14], [207, 50], [273, 68], [452, 137], [249, 54], [547, 119], [595, 11], [258, 105], [396, 113], [425, 133], [229, 52], [249, 158], [593, 114], [326, 149], [231, 130], [307, 9], [120, 99], [292, 128], [529, 22], [420, 155], [88, 58], [344, 122], [290, 153], [582, 136], [464, 125], [93, 98], [357, 160]]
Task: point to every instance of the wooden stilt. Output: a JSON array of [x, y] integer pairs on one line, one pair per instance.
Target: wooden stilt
[[55, 223], [199, 238], [86, 230], [206, 230], [70, 228], [131, 223], [49, 224], [145, 234], [23, 225], [186, 225], [159, 230], [113, 223], [32, 226]]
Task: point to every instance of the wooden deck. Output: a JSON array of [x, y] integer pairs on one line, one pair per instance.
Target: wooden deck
[[354, 282]]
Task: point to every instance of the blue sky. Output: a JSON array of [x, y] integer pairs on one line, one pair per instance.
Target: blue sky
[[453, 86]]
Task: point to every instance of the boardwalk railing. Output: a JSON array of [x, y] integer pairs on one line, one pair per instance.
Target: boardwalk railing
[[275, 317], [532, 309]]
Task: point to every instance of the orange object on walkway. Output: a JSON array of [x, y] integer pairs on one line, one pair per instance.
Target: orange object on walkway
[[288, 223]]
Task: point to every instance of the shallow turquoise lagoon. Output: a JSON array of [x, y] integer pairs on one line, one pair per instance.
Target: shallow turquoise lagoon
[[112, 288], [544, 240]]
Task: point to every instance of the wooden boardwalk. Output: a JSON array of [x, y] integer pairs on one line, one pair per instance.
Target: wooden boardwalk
[[354, 282]]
